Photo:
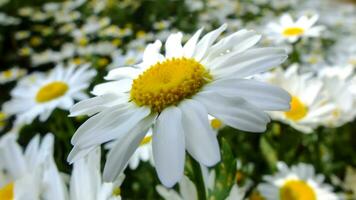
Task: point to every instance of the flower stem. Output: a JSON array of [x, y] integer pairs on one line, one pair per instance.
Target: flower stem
[[199, 182]]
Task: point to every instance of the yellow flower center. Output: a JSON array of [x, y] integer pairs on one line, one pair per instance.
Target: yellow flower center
[[167, 83], [297, 111], [296, 190], [51, 91], [293, 31], [7, 73], [83, 41], [7, 192], [146, 140], [216, 123], [35, 41], [102, 62]]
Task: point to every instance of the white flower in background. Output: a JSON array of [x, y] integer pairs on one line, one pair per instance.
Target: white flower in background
[[188, 191], [29, 175], [130, 58], [296, 183], [338, 87], [291, 31], [215, 123], [86, 180], [309, 107], [174, 94], [11, 74], [6, 20], [143, 152], [39, 94]]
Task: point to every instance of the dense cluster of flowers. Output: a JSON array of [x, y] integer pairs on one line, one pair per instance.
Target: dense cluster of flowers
[[101, 99]]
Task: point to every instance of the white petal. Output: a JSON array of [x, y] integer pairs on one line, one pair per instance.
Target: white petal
[[236, 42], [235, 112], [168, 146], [200, 139], [206, 42], [263, 95], [124, 148], [190, 45], [286, 20], [116, 87], [96, 104], [188, 189], [123, 73], [112, 125], [152, 55], [173, 45], [248, 63]]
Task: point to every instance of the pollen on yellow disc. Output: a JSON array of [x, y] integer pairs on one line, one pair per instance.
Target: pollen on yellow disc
[[296, 190], [297, 111], [293, 31], [169, 82], [216, 123], [51, 91], [7, 192], [146, 140]]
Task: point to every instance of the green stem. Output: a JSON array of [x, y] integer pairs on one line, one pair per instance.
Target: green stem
[[199, 182]]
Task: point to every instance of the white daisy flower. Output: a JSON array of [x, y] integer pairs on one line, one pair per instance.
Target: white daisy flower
[[296, 183], [11, 74], [86, 180], [187, 191], [291, 31], [174, 94], [32, 174], [39, 94], [143, 152], [309, 107], [338, 87]]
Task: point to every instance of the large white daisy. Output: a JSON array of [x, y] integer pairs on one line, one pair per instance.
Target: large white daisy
[[296, 183], [39, 94], [174, 94]]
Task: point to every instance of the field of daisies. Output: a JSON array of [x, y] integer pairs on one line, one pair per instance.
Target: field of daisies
[[178, 99]]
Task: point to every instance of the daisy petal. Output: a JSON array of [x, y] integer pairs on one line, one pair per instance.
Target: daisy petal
[[197, 130], [117, 87], [124, 148], [190, 45], [206, 42], [235, 112], [95, 104], [261, 95], [168, 146], [173, 45], [114, 124], [152, 54], [248, 63], [122, 73], [236, 42]]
